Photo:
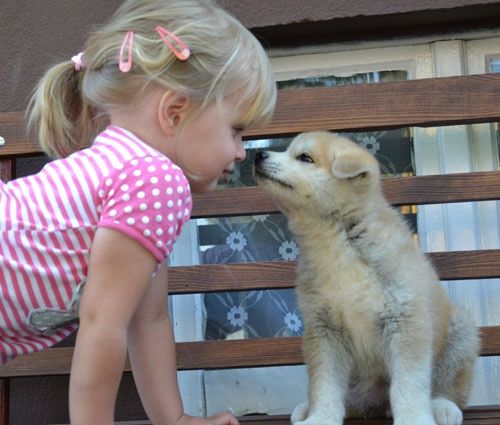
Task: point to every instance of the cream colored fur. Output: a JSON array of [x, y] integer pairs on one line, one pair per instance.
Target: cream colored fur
[[380, 333]]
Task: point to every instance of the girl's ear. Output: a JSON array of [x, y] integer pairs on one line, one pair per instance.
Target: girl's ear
[[172, 109]]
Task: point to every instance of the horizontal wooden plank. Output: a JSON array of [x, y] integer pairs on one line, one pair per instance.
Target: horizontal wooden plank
[[443, 188], [480, 415], [460, 265], [206, 355], [474, 415], [13, 131], [490, 341], [418, 190], [231, 277], [424, 102], [452, 265]]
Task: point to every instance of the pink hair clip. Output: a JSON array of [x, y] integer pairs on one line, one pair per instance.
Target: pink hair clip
[[78, 61], [126, 66], [180, 49]]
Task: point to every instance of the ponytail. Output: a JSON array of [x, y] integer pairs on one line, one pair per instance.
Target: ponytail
[[63, 121]]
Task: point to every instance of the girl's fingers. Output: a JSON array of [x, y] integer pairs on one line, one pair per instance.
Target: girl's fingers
[[223, 419]]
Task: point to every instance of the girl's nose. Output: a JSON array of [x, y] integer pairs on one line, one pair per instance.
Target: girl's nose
[[241, 153]]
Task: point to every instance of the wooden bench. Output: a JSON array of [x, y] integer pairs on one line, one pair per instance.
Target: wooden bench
[[428, 102]]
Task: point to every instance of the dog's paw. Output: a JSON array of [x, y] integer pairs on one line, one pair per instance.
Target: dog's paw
[[446, 412], [299, 413], [300, 417], [318, 420]]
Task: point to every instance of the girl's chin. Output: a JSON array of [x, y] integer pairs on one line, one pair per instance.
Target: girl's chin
[[203, 186]]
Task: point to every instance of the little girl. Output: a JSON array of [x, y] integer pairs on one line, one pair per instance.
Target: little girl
[[87, 237]]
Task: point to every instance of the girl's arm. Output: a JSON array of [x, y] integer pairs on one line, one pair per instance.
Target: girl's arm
[[118, 275], [152, 355], [119, 303]]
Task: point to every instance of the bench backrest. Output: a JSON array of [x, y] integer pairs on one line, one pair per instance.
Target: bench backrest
[[427, 102]]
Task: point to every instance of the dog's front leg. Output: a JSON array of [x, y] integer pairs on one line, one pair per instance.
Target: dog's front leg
[[409, 361], [328, 365]]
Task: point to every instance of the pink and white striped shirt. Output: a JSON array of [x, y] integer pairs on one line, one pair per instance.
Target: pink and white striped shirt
[[48, 221]]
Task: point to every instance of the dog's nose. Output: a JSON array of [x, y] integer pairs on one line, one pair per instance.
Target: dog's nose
[[261, 156]]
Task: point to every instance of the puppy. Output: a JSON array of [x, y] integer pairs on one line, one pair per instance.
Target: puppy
[[380, 334]]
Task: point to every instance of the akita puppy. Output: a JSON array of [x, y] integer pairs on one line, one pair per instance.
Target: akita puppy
[[380, 334]]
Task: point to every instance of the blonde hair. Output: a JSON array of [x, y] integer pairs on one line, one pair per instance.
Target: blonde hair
[[225, 58]]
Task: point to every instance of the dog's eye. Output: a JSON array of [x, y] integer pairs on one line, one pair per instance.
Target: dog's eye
[[303, 157]]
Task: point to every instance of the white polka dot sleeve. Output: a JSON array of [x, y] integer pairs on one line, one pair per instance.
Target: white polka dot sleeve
[[149, 200]]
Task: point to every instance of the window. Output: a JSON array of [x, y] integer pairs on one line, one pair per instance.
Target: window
[[416, 151]]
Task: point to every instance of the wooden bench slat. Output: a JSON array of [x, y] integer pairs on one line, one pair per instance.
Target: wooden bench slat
[[453, 265], [231, 277], [13, 130], [418, 190], [443, 188], [474, 415], [461, 99], [207, 355], [454, 100], [461, 265]]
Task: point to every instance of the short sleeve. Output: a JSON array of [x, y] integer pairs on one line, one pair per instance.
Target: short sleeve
[[149, 200]]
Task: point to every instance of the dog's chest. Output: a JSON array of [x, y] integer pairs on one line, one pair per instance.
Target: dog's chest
[[346, 288], [334, 276]]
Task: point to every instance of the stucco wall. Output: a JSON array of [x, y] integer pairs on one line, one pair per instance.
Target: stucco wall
[[37, 33]]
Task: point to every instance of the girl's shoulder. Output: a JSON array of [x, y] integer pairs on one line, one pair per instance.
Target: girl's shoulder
[[121, 144], [148, 199]]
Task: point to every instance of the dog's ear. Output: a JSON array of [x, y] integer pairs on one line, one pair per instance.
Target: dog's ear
[[353, 163]]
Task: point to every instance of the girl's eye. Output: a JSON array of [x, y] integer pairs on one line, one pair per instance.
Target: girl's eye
[[303, 157]]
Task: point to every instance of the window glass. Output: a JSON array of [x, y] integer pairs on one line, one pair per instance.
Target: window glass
[[495, 65]]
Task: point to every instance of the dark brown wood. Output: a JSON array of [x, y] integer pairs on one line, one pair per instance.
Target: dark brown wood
[[463, 99], [419, 190], [206, 355], [444, 188], [480, 415], [453, 265], [232, 202], [231, 277], [425, 102], [459, 265], [7, 169], [490, 341], [13, 130], [4, 401], [240, 353]]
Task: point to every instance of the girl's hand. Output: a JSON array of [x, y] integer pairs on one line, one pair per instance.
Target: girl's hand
[[223, 419], [219, 419]]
